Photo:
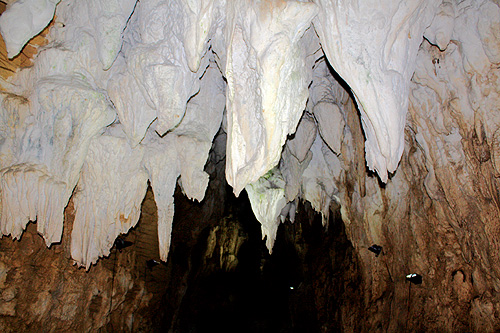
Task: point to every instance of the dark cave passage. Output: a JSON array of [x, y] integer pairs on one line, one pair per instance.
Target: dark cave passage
[[224, 279], [219, 275]]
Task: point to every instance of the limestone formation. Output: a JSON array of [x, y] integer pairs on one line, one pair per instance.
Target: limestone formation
[[387, 109]]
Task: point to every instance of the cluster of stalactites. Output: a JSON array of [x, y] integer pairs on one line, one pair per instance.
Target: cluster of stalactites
[[131, 91]]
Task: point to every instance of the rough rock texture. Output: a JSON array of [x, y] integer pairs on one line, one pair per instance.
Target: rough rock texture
[[41, 289], [267, 78], [23, 20], [377, 61], [438, 214], [8, 66], [313, 92]]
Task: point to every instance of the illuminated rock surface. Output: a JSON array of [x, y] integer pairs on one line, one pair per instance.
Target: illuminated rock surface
[[383, 113]]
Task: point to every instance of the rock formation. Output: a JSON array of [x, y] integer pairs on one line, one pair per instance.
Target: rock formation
[[386, 110]]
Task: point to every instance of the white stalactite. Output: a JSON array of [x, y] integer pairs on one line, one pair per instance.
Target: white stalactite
[[373, 46], [154, 70], [267, 83], [267, 197], [109, 18], [108, 197], [47, 150]]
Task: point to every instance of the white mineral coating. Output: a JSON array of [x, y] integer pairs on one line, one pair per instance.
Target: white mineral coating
[[470, 20], [108, 198], [23, 20], [267, 83], [45, 146], [318, 186], [331, 124], [165, 86], [134, 113], [218, 44], [296, 155], [488, 27], [373, 46], [325, 96], [15, 118], [291, 170], [161, 163], [50, 128], [197, 130], [70, 113], [440, 31], [188, 146], [158, 61], [303, 137], [71, 50], [155, 66], [267, 197], [198, 25], [165, 160], [184, 153], [108, 19], [46, 151], [192, 155], [28, 193], [289, 211], [69, 103], [205, 110]]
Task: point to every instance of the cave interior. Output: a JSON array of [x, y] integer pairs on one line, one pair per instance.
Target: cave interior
[[250, 165]]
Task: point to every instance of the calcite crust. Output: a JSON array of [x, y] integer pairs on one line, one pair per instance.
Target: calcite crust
[[127, 92]]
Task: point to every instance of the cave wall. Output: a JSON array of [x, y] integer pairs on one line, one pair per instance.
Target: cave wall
[[386, 109], [438, 214], [131, 289], [41, 288]]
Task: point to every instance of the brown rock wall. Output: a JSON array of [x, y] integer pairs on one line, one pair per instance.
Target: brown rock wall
[[438, 214], [40, 287]]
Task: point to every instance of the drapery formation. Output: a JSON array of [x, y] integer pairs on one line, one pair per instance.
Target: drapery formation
[[127, 91]]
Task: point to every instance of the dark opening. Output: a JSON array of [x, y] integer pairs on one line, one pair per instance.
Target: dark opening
[[298, 288]]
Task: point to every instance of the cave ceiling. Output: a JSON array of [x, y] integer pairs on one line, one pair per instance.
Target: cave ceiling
[[122, 93]]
